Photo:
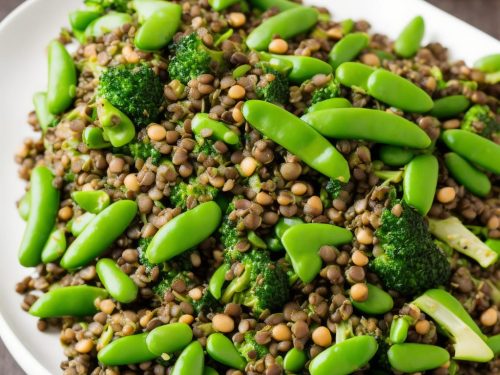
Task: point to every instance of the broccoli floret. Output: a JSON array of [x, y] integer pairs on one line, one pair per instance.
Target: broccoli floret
[[275, 89], [168, 278], [207, 303], [249, 348], [143, 259], [411, 262], [135, 90], [480, 119], [191, 58], [118, 5], [229, 235], [332, 90], [142, 150], [180, 192], [333, 188], [205, 146]]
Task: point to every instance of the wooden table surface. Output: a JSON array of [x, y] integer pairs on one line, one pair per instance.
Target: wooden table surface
[[484, 14]]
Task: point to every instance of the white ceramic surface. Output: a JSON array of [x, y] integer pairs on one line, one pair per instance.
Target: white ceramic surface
[[23, 37]]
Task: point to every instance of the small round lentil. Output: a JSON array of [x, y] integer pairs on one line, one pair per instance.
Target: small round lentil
[[422, 327], [365, 236], [359, 258], [186, 318], [359, 292], [107, 306], [281, 332], [299, 188], [279, 46], [237, 19], [322, 336], [157, 132], [248, 166], [65, 213], [131, 182], [446, 194], [489, 317], [84, 346], [237, 92], [223, 323]]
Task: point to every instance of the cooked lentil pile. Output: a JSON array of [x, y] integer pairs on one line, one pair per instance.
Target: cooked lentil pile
[[180, 211]]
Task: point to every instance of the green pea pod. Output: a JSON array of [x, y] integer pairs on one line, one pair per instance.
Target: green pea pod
[[159, 29], [354, 74], [294, 360], [222, 350], [108, 225], [145, 9], [93, 201], [344, 358], [303, 241], [217, 280], [256, 241], [118, 128], [494, 343], [106, 24], [399, 329], [62, 78], [68, 301], [488, 64], [408, 42], [274, 244], [24, 206], [347, 48], [282, 5], [474, 148], [220, 131], [183, 232], [80, 19], [210, 371], [219, 5], [287, 24], [126, 350], [466, 174], [412, 358], [378, 302], [119, 285], [77, 225], [55, 246], [330, 104], [368, 124], [493, 244], [302, 68], [420, 181], [44, 204], [94, 138], [398, 92], [169, 338], [241, 70], [45, 118], [297, 137], [449, 106], [395, 156], [191, 361], [285, 223]]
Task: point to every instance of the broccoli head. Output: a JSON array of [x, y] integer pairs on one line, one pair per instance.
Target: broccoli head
[[411, 262], [331, 90], [143, 259], [143, 150], [118, 5], [249, 348], [135, 90], [195, 189], [480, 119], [333, 188], [274, 88], [207, 303], [192, 58], [205, 146], [174, 276]]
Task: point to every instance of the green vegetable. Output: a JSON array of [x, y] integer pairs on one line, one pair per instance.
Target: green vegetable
[[221, 349], [481, 120], [219, 5], [329, 104], [126, 350], [488, 64], [93, 201], [80, 19], [330, 91], [220, 131], [55, 246], [378, 302], [282, 5], [169, 338], [94, 138], [274, 91], [144, 151], [294, 360], [420, 181], [395, 156], [117, 127], [191, 361], [298, 68], [45, 118], [412, 358], [408, 42], [119, 285], [399, 328], [182, 191], [466, 174], [347, 48], [62, 78], [250, 345], [118, 5], [106, 24], [23, 206], [77, 225], [449, 106], [354, 74]]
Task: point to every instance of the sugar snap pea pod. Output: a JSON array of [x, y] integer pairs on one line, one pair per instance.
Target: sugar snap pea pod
[[395, 156], [45, 118], [107, 23], [344, 358], [118, 128], [220, 131], [222, 349], [284, 223], [398, 92], [210, 371], [159, 29], [408, 42], [378, 302], [295, 360], [107, 226], [419, 182], [399, 329], [94, 138], [473, 147], [286, 24], [24, 206], [347, 48], [169, 338], [55, 246], [44, 204], [119, 285], [368, 124], [147, 8], [466, 174], [241, 70], [493, 244], [68, 301], [221, 4], [93, 201], [354, 74], [488, 64], [330, 104], [410, 357], [80, 19], [303, 241], [61, 89], [77, 225], [191, 361], [449, 106], [183, 232], [297, 137], [282, 5], [494, 344], [302, 67], [126, 350]]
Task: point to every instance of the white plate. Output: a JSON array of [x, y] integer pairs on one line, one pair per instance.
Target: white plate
[[23, 37]]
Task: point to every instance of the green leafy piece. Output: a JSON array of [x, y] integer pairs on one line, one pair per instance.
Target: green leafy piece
[[332, 90], [180, 192], [333, 188], [480, 119], [118, 5], [275, 90], [142, 150]]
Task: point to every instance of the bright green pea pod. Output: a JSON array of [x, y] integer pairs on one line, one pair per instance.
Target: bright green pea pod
[[80, 19], [449, 106], [395, 156], [220, 131], [420, 181], [347, 48], [368, 124], [294, 360], [285, 223], [210, 371], [282, 5], [494, 343], [68, 301], [241, 70], [191, 361], [183, 232], [55, 246], [344, 358], [466, 174], [219, 5], [274, 244], [378, 302], [347, 26], [169, 338], [302, 67], [108, 225], [159, 29], [93, 201], [62, 78], [399, 329], [408, 42], [44, 205], [354, 74], [330, 104], [398, 92], [297, 137], [256, 241], [77, 225], [493, 244], [126, 350], [118, 128], [119, 285], [45, 118], [474, 148], [147, 8], [107, 23], [24, 206], [303, 241], [488, 64], [287, 24], [222, 350], [410, 358], [94, 138]]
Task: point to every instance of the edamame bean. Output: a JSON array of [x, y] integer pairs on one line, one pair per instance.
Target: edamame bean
[[474, 148], [449, 106], [285, 223], [330, 104], [24, 206], [294, 360], [107, 23], [68, 301], [117, 127], [408, 42], [466, 174], [412, 357], [191, 361], [108, 225], [398, 92], [301, 68], [297, 137], [77, 225], [183, 232], [80, 19], [94, 138], [220, 131], [399, 329], [287, 24], [493, 244], [395, 156], [420, 181], [378, 302], [368, 124], [282, 5], [354, 74], [221, 349], [488, 64], [494, 343], [219, 5], [55, 246], [159, 29], [119, 285], [347, 48], [93, 201], [126, 350], [62, 78], [45, 118], [169, 338]]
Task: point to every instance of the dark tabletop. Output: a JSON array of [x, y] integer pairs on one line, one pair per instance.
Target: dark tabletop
[[481, 13]]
